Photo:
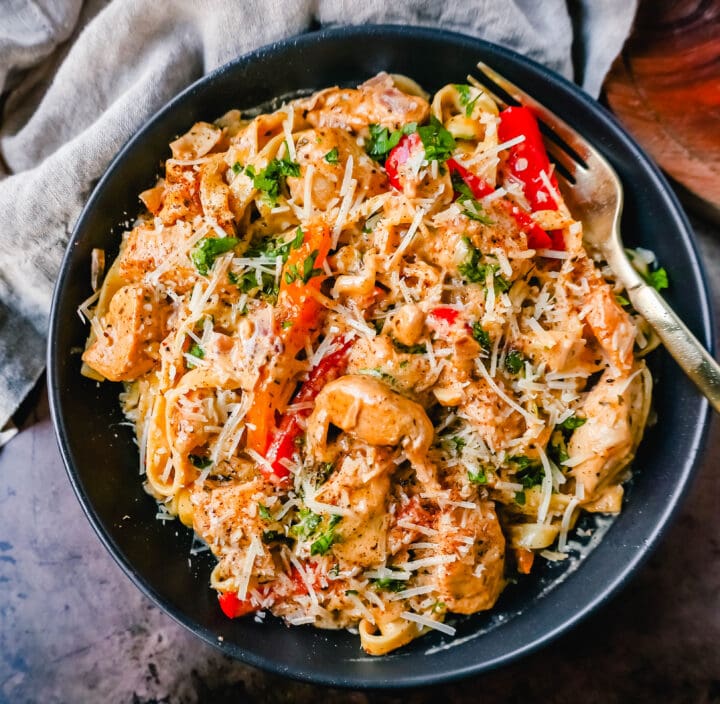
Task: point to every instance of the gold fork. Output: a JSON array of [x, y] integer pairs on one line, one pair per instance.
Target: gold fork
[[594, 195]]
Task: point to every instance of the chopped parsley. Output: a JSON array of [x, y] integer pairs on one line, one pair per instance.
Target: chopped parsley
[[622, 300], [438, 142], [272, 178], [389, 584], [303, 272], [382, 141], [481, 336], [208, 249], [325, 469], [658, 279], [378, 373], [557, 447], [464, 92], [199, 461], [530, 473], [479, 477], [323, 543], [520, 498], [248, 282], [237, 167], [195, 351], [572, 423], [307, 525], [471, 207], [475, 271], [458, 443], [408, 349], [264, 512], [514, 362], [332, 156], [275, 536]]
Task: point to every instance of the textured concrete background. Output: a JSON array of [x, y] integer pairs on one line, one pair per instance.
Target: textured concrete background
[[74, 629]]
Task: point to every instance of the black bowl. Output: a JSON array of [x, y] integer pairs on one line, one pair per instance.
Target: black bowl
[[102, 460]]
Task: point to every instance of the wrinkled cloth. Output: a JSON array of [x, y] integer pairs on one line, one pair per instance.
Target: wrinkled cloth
[[78, 79]]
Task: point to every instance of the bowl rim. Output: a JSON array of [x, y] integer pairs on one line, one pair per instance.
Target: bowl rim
[[696, 443]]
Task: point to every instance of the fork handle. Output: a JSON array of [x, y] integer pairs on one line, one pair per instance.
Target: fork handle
[[684, 347]]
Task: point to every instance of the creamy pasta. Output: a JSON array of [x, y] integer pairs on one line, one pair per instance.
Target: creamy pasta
[[368, 358]]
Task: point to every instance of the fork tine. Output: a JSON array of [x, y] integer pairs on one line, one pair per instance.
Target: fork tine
[[559, 131], [563, 161], [481, 86]]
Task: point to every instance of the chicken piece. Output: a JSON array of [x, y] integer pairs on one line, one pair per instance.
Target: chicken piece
[[369, 410], [161, 252], [612, 327], [215, 194], [361, 484], [474, 580], [226, 518], [563, 348], [415, 513], [610, 324], [131, 330], [615, 409], [181, 199], [380, 355], [490, 415], [312, 147], [376, 101]]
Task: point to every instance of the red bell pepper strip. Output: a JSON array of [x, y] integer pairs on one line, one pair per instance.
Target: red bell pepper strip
[[478, 186], [399, 155], [528, 159], [282, 444], [447, 315], [232, 607], [537, 238], [297, 321]]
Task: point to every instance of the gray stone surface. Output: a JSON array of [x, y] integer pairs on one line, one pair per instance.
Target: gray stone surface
[[74, 629]]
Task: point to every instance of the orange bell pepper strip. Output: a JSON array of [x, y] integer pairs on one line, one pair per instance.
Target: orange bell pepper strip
[[297, 320], [524, 559]]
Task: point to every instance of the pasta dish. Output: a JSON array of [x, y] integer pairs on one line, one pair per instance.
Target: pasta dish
[[367, 357]]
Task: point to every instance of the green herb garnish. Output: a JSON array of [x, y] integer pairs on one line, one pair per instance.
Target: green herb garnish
[[475, 271], [208, 249], [481, 336], [307, 525], [272, 178], [514, 362], [276, 536], [520, 498], [572, 423], [332, 156], [237, 167], [479, 477], [529, 472], [382, 141], [408, 349], [264, 512], [464, 93], [389, 584], [323, 543], [199, 461], [438, 142], [658, 279]]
